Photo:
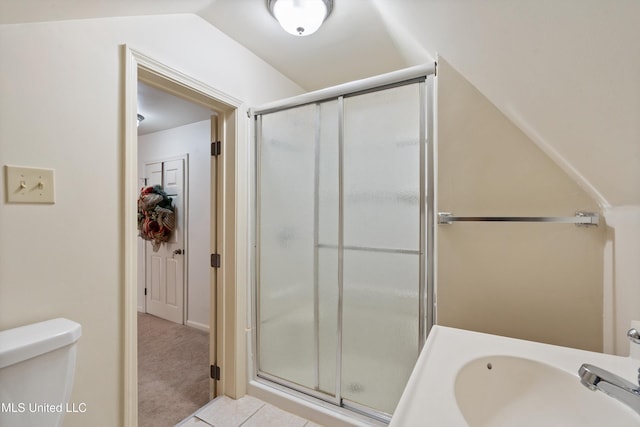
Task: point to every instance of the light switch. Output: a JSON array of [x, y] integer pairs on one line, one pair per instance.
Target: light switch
[[29, 185]]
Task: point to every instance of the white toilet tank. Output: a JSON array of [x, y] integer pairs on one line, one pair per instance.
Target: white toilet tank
[[37, 363]]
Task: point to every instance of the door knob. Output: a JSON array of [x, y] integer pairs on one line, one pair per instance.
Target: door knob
[[177, 252]]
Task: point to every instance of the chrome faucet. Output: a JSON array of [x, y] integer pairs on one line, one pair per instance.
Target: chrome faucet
[[595, 378]]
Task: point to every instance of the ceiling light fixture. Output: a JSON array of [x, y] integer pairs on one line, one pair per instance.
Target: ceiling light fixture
[[300, 17]]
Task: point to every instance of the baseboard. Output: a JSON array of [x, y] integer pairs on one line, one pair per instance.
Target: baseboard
[[197, 325]]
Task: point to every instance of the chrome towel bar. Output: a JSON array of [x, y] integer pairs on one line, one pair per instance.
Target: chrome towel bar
[[581, 218]]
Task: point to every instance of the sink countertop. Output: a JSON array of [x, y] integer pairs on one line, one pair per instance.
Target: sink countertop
[[429, 397]]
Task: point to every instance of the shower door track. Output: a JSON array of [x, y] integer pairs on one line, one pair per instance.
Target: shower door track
[[420, 75]]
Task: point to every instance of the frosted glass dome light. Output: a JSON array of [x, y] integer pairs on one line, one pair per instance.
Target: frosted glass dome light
[[300, 17]]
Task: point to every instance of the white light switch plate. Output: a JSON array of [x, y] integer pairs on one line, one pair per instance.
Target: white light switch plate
[[29, 185]]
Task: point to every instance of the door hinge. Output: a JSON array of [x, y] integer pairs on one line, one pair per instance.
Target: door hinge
[[216, 148], [215, 372], [145, 291], [215, 260]]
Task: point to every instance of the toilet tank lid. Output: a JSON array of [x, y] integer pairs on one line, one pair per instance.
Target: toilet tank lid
[[24, 342]]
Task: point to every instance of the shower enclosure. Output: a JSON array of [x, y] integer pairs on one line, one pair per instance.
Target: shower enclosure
[[343, 236]]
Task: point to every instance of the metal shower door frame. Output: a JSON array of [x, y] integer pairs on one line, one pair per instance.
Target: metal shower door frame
[[424, 77]]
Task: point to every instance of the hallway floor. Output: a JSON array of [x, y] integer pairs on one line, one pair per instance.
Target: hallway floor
[[173, 366]]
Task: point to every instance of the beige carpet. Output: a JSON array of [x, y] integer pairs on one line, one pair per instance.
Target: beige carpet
[[173, 371]]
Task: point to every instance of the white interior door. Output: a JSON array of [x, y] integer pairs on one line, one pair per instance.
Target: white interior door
[[165, 280]]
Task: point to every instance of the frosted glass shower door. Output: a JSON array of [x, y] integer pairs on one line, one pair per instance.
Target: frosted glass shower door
[[298, 292], [342, 202], [381, 261]]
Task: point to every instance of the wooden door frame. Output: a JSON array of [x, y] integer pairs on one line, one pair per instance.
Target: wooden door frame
[[228, 307]]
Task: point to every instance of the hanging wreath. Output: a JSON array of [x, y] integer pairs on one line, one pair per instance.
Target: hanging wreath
[[156, 216]]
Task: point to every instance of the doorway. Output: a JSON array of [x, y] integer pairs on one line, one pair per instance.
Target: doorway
[[223, 300], [174, 138], [174, 213]]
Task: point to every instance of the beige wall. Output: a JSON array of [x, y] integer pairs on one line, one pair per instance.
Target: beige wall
[[62, 108], [539, 281]]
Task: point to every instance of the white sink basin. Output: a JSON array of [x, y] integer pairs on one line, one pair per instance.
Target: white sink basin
[[501, 391], [465, 378]]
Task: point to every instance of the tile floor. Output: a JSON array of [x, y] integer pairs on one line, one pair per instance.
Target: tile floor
[[246, 412]]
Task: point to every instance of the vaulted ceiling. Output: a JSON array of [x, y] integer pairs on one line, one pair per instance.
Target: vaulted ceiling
[[567, 72]]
